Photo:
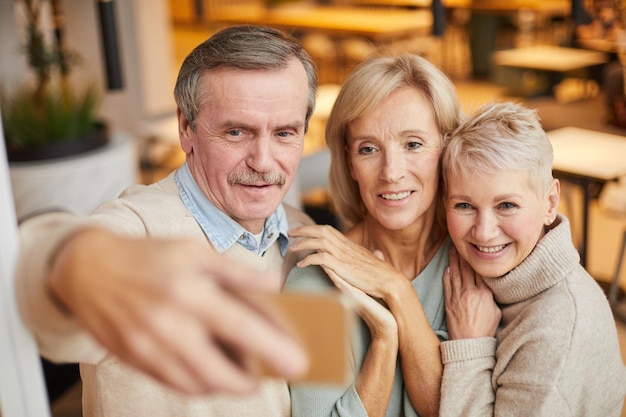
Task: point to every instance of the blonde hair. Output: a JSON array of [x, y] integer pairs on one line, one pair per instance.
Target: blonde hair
[[501, 136]]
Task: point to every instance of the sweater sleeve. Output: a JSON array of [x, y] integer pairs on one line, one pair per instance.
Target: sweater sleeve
[[466, 388], [325, 400], [523, 382], [59, 336]]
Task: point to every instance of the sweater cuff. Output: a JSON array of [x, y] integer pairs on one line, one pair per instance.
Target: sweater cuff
[[58, 334], [351, 403], [466, 349]]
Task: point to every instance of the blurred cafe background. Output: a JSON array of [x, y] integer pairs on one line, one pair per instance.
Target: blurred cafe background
[[565, 58]]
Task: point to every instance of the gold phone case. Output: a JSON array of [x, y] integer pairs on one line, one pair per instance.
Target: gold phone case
[[322, 322]]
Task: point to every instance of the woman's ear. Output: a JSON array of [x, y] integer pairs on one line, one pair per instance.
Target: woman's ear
[[184, 132], [554, 197]]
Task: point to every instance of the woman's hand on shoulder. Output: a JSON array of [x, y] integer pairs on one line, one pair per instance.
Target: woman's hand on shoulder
[[348, 260]]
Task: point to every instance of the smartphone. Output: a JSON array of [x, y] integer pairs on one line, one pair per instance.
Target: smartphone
[[323, 324]]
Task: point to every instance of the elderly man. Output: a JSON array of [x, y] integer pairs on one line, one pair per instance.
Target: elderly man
[[145, 293]]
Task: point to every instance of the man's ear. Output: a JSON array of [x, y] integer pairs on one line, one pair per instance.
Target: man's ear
[[184, 132]]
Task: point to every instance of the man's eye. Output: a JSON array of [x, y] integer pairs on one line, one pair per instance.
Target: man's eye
[[234, 132]]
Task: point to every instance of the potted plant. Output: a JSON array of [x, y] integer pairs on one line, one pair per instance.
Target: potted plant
[[49, 118]]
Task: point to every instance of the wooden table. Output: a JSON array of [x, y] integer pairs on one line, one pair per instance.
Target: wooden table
[[376, 25], [587, 158], [543, 7], [409, 4], [602, 45], [549, 58], [551, 63]]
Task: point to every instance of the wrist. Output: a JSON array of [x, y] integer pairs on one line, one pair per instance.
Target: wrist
[[64, 264], [395, 290]]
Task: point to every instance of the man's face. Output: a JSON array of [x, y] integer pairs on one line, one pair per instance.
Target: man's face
[[248, 141]]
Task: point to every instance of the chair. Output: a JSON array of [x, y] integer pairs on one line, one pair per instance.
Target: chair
[[613, 200]]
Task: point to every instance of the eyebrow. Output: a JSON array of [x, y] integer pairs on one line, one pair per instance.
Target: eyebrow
[[500, 197], [231, 124], [408, 132]]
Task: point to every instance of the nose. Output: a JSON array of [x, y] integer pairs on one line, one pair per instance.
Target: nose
[[260, 154], [485, 227], [393, 167]]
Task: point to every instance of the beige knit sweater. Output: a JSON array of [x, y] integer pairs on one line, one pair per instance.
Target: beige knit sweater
[[110, 388], [556, 352]]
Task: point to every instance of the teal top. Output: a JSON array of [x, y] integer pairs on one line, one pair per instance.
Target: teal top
[[329, 400]]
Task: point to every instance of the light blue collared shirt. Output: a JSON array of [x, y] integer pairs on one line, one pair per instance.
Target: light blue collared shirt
[[221, 230]]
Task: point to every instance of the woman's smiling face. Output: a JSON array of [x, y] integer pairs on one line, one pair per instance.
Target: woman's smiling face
[[495, 219], [393, 154]]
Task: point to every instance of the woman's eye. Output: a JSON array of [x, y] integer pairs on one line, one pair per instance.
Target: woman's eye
[[508, 205], [366, 150], [462, 206], [414, 145]]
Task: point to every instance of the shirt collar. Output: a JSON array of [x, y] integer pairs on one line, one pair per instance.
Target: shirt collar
[[221, 230]]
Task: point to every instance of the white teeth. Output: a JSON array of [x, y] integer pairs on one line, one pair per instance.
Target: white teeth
[[396, 196], [490, 249]]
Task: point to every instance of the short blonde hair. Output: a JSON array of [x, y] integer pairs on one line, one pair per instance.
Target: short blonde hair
[[366, 87], [501, 136]]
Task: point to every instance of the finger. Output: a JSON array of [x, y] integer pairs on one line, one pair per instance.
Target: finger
[[375, 314], [456, 281], [447, 286], [325, 238], [317, 258], [141, 335], [239, 325], [343, 263], [355, 294], [339, 282], [328, 239], [314, 231], [302, 231], [191, 359], [379, 254], [467, 274], [480, 283], [230, 331], [313, 244]]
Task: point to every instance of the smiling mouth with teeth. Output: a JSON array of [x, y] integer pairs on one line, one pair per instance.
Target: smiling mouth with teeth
[[396, 196], [490, 249]]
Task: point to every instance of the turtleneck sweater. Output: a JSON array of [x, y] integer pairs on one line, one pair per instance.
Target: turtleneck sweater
[[556, 352]]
